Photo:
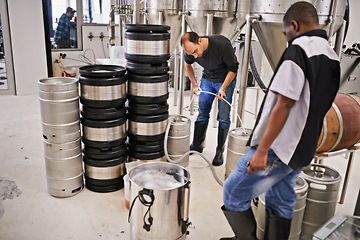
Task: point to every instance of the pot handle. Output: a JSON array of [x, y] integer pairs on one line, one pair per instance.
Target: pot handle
[[185, 221]]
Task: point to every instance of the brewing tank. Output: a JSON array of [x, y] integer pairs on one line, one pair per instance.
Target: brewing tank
[[228, 16], [165, 12], [269, 28]]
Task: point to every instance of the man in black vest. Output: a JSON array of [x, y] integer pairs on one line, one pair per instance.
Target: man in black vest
[[287, 129]]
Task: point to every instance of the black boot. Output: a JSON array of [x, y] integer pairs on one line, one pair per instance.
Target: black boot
[[222, 136], [276, 228], [199, 137], [242, 223]]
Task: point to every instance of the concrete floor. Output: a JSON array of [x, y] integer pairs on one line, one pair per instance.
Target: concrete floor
[[89, 215]]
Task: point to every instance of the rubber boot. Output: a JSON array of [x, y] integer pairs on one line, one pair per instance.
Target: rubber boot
[[199, 137], [222, 136], [276, 228], [243, 224]]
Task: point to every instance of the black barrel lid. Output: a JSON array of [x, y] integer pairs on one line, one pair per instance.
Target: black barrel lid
[[147, 108], [103, 124], [104, 163], [147, 156], [103, 113], [148, 119], [99, 71], [146, 28], [147, 68], [103, 81], [147, 79]]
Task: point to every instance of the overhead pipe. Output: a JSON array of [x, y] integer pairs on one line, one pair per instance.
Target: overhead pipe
[[245, 65]]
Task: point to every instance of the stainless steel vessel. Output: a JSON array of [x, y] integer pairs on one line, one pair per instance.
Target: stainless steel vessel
[[164, 214], [165, 12], [301, 189], [225, 17], [324, 183], [236, 148], [269, 28], [59, 102], [178, 141]]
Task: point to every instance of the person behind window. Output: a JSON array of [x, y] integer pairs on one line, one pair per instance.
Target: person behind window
[[62, 33]]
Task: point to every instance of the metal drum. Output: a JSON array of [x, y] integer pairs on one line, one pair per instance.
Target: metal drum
[[147, 43], [105, 175], [147, 128], [148, 89], [324, 183], [301, 189], [62, 133], [178, 141], [165, 12], [65, 187], [102, 86], [160, 194], [107, 133], [236, 148], [59, 100]]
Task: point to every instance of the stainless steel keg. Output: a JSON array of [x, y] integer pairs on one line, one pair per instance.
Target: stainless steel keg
[[301, 189], [166, 188], [322, 197], [178, 142], [148, 89], [102, 86], [147, 43], [59, 100], [236, 148], [147, 128]]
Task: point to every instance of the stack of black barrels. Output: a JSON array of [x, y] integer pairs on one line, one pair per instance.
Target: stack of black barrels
[[103, 95], [147, 52]]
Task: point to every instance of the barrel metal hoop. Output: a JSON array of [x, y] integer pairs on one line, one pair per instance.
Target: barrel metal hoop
[[341, 127], [354, 98], [324, 134]]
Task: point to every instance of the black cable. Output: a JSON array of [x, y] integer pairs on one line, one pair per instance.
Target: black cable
[[255, 73], [146, 203]]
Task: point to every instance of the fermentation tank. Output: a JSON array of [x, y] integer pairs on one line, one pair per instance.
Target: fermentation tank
[[165, 12], [268, 28], [228, 16]]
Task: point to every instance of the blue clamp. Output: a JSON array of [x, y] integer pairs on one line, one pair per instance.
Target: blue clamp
[[224, 97]]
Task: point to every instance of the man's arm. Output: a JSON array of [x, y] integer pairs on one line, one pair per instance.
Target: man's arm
[[190, 72], [228, 79], [277, 121]]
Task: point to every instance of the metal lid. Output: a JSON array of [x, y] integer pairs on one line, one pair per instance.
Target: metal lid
[[317, 172]]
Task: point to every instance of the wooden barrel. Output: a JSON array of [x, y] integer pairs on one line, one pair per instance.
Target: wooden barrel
[[341, 127]]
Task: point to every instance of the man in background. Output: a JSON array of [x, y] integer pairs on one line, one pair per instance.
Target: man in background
[[62, 33]]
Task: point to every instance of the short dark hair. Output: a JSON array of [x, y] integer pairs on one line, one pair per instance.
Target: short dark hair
[[303, 12], [191, 37]]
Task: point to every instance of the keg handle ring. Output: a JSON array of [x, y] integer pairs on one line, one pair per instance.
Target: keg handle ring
[[146, 203]]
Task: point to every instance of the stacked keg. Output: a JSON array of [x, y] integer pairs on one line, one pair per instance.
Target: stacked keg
[[147, 52], [59, 103], [103, 95]]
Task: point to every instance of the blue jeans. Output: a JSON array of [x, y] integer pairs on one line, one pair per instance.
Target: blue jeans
[[277, 181], [206, 100]]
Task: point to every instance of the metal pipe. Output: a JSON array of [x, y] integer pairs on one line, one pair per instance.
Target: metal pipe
[[112, 26], [136, 12], [245, 66], [332, 20], [176, 75], [340, 38], [161, 18], [182, 70], [210, 31], [346, 178]]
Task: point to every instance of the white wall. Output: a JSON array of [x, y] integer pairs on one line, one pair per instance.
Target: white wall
[[353, 34], [28, 44]]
